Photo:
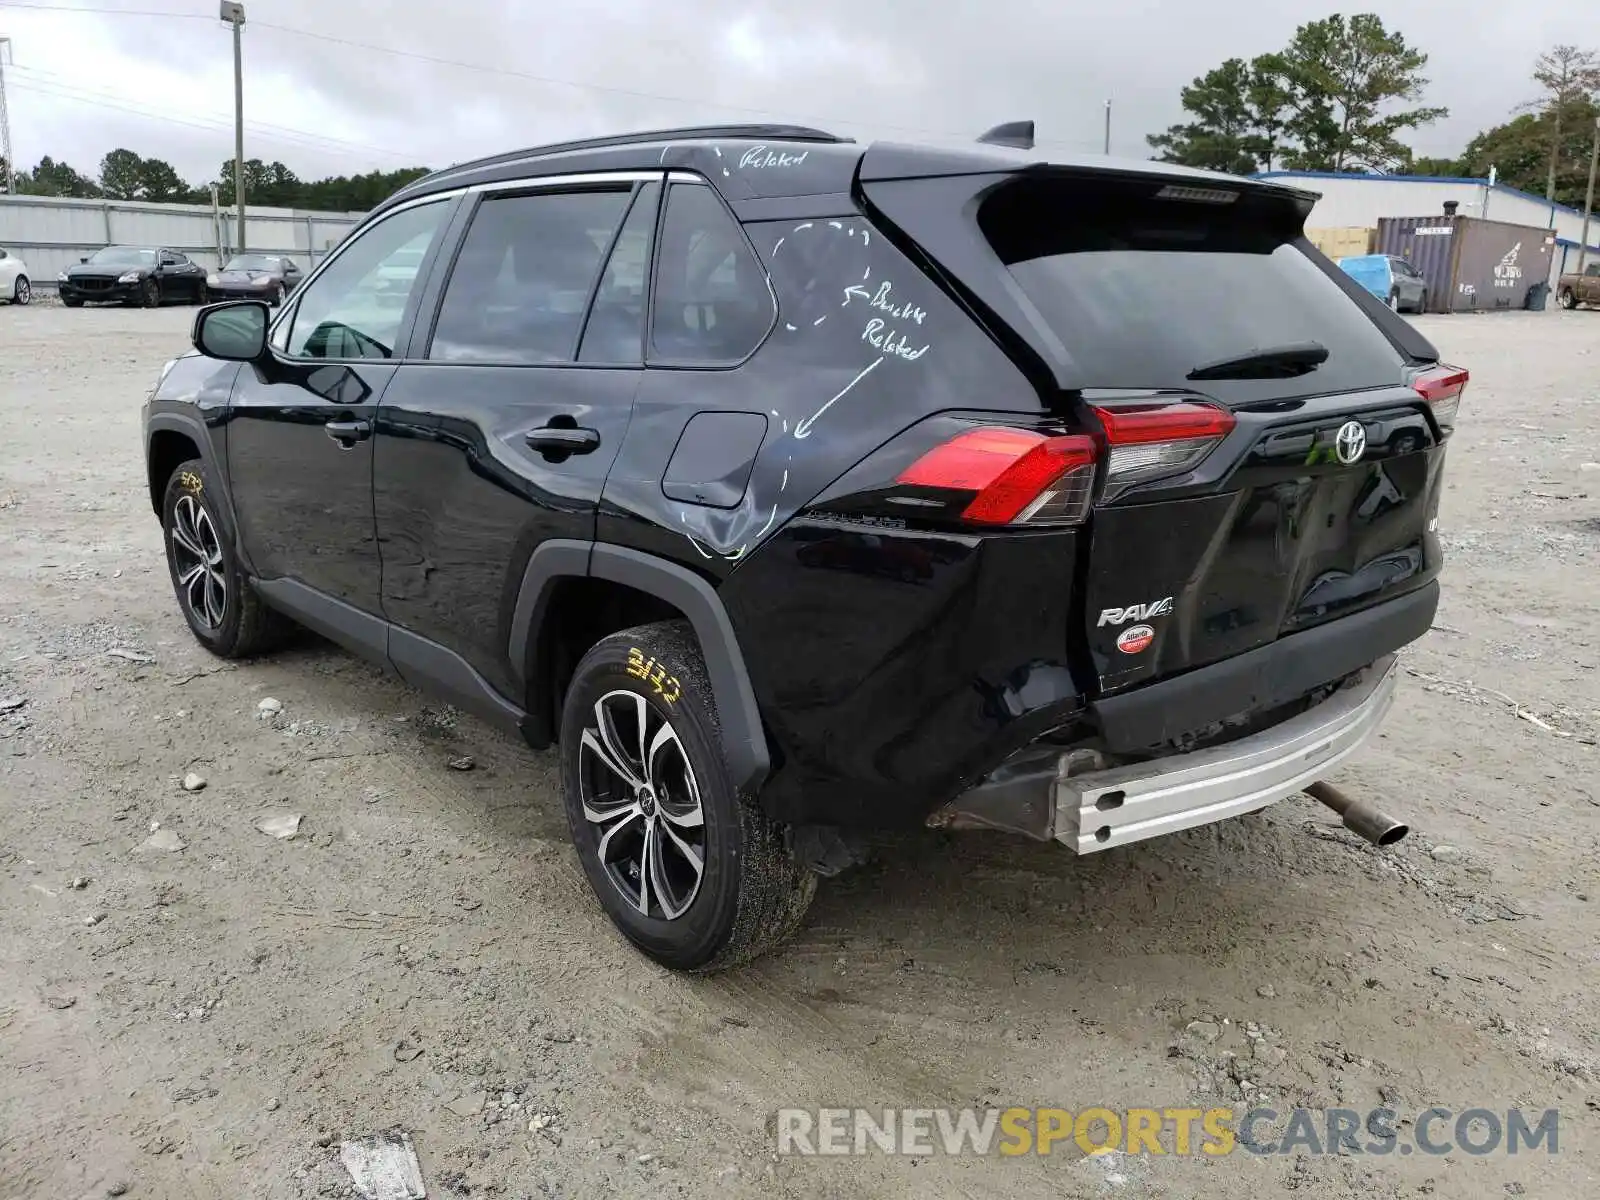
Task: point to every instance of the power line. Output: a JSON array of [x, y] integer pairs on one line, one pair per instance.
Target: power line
[[61, 84], [56, 93], [104, 12]]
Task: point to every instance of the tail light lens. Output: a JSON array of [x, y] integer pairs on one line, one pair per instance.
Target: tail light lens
[[1155, 440], [1015, 476], [1441, 387]]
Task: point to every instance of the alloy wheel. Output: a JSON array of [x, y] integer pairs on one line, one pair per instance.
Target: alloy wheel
[[639, 792], [24, 292], [197, 562]]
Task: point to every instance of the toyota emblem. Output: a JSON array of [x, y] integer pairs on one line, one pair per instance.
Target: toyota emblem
[[1350, 443]]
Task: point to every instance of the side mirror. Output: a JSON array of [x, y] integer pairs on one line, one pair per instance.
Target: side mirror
[[234, 332]]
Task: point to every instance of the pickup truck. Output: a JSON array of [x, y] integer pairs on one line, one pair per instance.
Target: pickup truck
[[1578, 288]]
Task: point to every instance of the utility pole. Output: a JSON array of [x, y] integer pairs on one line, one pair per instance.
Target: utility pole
[[233, 14], [1588, 199], [1108, 127], [5, 121]]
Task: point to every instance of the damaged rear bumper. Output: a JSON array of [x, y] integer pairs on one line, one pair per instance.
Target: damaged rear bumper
[[1042, 795]]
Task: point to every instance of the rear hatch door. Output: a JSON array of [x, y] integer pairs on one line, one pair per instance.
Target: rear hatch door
[[1305, 483]]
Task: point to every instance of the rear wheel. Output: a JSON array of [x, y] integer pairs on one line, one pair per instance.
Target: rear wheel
[[21, 291], [1569, 301], [693, 875], [150, 294], [224, 612]]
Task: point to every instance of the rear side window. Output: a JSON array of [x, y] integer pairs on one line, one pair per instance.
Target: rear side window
[[520, 285], [1142, 290], [712, 304]]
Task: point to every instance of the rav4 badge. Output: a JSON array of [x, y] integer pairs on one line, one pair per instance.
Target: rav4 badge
[[1135, 639]]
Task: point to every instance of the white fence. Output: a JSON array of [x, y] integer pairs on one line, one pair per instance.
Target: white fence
[[51, 233]]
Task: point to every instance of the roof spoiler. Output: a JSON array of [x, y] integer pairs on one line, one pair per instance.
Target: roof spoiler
[[1016, 134]]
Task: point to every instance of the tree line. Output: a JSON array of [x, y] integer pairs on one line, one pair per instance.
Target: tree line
[[1346, 91], [127, 175]]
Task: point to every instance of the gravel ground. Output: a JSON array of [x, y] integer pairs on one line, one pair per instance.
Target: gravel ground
[[212, 1021]]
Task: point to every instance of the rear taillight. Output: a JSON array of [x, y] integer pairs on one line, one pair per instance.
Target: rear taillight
[[1441, 387], [1015, 476], [1155, 440]]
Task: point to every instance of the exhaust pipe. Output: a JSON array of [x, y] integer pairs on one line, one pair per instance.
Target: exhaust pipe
[[1359, 817]]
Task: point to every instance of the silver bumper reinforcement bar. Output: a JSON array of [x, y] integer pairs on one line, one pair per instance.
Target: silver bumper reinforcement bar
[[1040, 792], [1101, 809]]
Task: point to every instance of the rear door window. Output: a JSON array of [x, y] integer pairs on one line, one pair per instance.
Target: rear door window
[[521, 283], [712, 305], [614, 331], [1142, 289]]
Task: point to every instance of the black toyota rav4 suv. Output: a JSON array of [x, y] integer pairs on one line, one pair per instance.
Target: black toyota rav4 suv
[[796, 488]]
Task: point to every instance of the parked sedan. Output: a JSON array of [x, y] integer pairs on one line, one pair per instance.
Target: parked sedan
[[268, 277], [147, 275], [14, 285]]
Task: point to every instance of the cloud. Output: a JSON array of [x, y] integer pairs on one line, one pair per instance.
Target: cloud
[[904, 69]]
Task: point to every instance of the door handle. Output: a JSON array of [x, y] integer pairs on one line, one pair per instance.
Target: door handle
[[559, 439], [348, 432]]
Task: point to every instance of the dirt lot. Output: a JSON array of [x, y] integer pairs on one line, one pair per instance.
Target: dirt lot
[[211, 1021]]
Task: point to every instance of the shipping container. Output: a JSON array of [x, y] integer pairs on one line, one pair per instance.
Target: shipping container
[[1343, 242], [1470, 264]]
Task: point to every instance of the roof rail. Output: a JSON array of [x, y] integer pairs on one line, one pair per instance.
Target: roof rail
[[786, 133]]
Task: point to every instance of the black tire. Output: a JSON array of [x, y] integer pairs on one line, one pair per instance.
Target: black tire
[[22, 291], [150, 294], [751, 893], [277, 296], [1394, 300], [1569, 301], [200, 296], [71, 302], [235, 624], [1422, 303]]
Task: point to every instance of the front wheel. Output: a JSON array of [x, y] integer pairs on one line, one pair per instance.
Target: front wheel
[[201, 295], [150, 294], [1569, 301], [277, 296], [224, 612], [693, 875], [1394, 301], [22, 291]]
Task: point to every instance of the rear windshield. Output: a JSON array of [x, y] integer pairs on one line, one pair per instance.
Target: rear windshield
[[1142, 290]]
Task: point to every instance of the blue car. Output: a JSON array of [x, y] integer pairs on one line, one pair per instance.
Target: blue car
[[1393, 280]]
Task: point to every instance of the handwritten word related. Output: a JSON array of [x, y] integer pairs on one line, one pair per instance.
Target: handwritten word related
[[891, 341], [883, 301], [760, 157]]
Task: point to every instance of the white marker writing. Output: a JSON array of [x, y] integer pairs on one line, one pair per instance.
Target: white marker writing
[[883, 301], [803, 429], [760, 157], [890, 341]]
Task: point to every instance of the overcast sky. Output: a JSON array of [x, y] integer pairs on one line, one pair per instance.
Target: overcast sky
[[84, 83]]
